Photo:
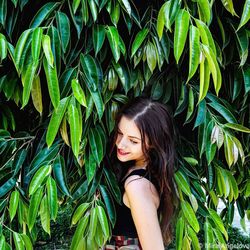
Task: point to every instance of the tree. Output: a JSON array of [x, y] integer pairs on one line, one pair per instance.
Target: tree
[[67, 66]]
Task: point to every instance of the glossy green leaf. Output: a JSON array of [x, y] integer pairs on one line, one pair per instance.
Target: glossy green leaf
[[18, 241], [245, 14], [45, 214], [2, 242], [36, 94], [103, 220], [38, 178], [63, 25], [246, 76], [237, 127], [109, 204], [113, 38], [127, 6], [179, 231], [190, 216], [98, 36], [115, 13], [19, 49], [75, 5], [209, 237], [228, 4], [214, 67], [151, 54], [28, 82], [36, 43], [79, 212], [52, 197], [75, 136], [3, 47], [93, 222], [182, 182], [90, 165], [204, 10], [194, 238], [79, 233], [7, 186], [139, 38], [161, 20], [47, 50], [27, 242], [78, 92], [52, 80], [180, 33], [93, 9], [194, 52], [204, 79], [14, 199], [19, 160], [95, 142], [218, 222], [60, 174], [43, 13], [3, 12], [190, 105], [33, 207], [56, 120]]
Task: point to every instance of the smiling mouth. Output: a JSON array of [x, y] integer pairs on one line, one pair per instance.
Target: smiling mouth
[[120, 152]]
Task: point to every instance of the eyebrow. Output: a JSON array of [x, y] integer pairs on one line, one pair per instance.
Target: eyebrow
[[130, 136]]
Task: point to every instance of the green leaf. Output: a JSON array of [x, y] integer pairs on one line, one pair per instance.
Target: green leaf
[[63, 25], [95, 142], [179, 233], [194, 51], [113, 38], [194, 238], [27, 242], [3, 12], [214, 67], [218, 222], [79, 212], [237, 127], [43, 13], [91, 70], [36, 43], [45, 214], [19, 160], [109, 204], [38, 178], [182, 182], [151, 56], [79, 233], [60, 174], [190, 216], [246, 75], [98, 34], [36, 94], [180, 33], [103, 221], [204, 79], [52, 197], [19, 49], [209, 237], [78, 92], [14, 199], [2, 242], [75, 5], [34, 205], [115, 13], [93, 222], [28, 81], [52, 80], [190, 105], [204, 10], [93, 9], [228, 4], [140, 37], [161, 20], [18, 241], [3, 47], [245, 14], [56, 120], [90, 165], [127, 6], [75, 136], [47, 50], [224, 112], [7, 186]]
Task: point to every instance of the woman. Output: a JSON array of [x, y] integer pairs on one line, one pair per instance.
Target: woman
[[143, 138]]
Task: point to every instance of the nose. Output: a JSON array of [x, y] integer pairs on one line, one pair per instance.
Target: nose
[[122, 144]]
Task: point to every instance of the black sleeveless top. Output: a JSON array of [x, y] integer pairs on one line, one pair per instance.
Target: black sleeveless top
[[124, 223]]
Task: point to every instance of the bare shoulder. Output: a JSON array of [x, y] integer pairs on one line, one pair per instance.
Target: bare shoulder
[[138, 187]]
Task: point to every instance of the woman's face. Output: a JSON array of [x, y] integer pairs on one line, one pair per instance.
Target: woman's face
[[129, 142]]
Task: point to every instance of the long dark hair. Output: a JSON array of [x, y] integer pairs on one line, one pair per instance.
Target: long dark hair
[[154, 121]]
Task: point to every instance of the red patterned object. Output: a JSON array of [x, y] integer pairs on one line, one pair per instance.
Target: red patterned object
[[123, 243]]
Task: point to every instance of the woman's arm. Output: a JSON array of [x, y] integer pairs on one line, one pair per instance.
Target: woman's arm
[[141, 200]]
